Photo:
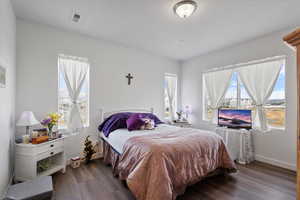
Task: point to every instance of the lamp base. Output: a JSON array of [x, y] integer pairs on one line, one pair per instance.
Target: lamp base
[[27, 130]]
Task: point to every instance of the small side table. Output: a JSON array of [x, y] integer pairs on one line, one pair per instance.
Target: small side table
[[27, 157], [239, 143]]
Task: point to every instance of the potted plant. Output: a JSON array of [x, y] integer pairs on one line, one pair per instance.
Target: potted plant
[[88, 149]]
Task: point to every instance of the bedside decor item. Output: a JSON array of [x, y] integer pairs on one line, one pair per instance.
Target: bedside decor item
[[27, 119], [179, 116], [75, 162], [41, 131], [2, 77], [40, 139], [26, 139], [34, 134], [187, 112], [50, 121], [18, 139], [88, 149], [44, 165]]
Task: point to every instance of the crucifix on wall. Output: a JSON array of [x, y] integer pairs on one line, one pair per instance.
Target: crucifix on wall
[[129, 77]]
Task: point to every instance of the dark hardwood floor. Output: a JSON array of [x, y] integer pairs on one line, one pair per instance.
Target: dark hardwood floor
[[256, 181]]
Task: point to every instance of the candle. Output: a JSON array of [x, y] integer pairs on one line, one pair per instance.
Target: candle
[[26, 139], [34, 134]]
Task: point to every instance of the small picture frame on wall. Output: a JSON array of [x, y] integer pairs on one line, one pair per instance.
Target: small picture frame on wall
[[2, 76]]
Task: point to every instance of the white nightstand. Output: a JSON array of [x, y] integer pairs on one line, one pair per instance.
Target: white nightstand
[[27, 157], [182, 124]]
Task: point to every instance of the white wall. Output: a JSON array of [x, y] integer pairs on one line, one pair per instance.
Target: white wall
[[276, 147], [38, 47], [7, 95]]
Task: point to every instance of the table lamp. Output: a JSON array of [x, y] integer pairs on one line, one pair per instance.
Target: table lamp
[[27, 119]]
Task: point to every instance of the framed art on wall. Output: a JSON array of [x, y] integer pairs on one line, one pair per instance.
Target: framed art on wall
[[2, 76]]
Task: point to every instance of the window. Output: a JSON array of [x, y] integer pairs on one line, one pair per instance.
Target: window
[[275, 107], [170, 95], [236, 97], [64, 100]]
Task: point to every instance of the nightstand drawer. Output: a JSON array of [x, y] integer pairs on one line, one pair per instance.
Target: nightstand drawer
[[50, 153], [49, 146]]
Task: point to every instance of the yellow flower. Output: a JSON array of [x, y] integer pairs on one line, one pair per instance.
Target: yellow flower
[[54, 117]]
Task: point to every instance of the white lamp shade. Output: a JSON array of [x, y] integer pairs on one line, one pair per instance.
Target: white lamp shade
[[27, 119]]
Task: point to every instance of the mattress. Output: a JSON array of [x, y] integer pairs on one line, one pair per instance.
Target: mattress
[[118, 137]]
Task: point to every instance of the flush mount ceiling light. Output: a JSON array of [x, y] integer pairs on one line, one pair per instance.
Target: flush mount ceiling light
[[185, 8]]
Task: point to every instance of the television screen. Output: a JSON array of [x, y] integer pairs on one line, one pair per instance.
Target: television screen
[[235, 118]]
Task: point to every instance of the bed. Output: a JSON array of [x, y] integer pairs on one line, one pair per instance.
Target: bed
[[159, 164]]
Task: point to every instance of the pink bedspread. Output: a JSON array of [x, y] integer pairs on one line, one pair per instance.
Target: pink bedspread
[[161, 166]]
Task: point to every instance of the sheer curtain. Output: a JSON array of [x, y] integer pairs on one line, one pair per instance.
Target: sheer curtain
[[171, 82], [259, 81], [74, 73], [216, 84]]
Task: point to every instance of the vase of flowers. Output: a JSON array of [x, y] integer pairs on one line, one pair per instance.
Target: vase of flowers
[[50, 122]]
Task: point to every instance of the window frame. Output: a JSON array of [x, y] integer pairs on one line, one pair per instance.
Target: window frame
[[88, 86], [234, 67]]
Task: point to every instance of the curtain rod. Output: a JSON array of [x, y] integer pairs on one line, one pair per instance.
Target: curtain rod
[[246, 64], [73, 58]]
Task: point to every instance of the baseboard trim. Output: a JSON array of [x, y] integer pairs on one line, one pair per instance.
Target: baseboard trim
[[276, 162]]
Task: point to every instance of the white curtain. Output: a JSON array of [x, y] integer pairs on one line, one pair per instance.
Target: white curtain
[[259, 81], [216, 84], [171, 82], [74, 73]]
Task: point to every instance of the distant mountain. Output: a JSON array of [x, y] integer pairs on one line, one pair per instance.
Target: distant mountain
[[233, 121], [276, 102]]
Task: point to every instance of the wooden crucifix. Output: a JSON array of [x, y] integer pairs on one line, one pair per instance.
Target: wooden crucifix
[[129, 77]]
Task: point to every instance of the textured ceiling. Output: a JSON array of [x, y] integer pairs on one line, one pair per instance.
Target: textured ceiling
[[152, 26]]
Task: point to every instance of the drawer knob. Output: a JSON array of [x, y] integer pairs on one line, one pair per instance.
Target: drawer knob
[[52, 145], [51, 153]]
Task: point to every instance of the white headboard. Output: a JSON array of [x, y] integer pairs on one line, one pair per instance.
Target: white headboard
[[105, 114]]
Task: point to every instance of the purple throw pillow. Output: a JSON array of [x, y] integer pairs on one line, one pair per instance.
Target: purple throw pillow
[[134, 122], [114, 122]]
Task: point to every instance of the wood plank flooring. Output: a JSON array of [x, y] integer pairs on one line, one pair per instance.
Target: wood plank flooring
[[257, 181]]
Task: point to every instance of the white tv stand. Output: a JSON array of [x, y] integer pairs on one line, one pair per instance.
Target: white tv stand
[[239, 143]]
